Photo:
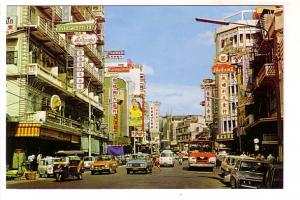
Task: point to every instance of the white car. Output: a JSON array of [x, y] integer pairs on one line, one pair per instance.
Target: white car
[[88, 161], [46, 165], [167, 158]]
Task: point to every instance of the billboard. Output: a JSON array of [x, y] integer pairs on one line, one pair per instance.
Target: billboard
[[136, 113]]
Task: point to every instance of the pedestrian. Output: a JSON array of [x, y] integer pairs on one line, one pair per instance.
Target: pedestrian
[[270, 158], [156, 162]]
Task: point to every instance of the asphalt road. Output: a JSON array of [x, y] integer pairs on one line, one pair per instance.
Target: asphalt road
[[178, 177]]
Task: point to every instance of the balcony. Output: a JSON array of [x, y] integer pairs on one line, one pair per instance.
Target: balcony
[[48, 77], [51, 39], [89, 98], [82, 13], [94, 73], [49, 9], [93, 54], [265, 75], [52, 120]]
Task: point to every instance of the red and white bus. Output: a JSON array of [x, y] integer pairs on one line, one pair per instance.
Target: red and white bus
[[201, 154]]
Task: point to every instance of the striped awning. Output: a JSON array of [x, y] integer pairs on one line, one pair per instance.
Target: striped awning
[[28, 130]]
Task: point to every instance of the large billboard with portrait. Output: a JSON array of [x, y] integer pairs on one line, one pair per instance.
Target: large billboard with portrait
[[135, 112]]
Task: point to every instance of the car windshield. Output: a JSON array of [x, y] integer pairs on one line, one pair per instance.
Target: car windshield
[[87, 158], [139, 157], [204, 146], [103, 158], [258, 167], [167, 155]]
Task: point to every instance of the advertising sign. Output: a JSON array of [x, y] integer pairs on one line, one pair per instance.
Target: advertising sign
[[84, 39], [78, 71], [75, 27], [223, 68], [223, 90], [223, 58], [137, 134], [136, 113], [118, 69], [115, 54], [208, 104], [11, 24], [115, 95]]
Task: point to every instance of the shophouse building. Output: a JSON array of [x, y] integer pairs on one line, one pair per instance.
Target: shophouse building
[[234, 51], [49, 106]]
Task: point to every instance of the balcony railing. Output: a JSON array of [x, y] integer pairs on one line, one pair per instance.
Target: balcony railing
[[93, 72], [93, 53], [39, 71], [266, 73], [54, 120]]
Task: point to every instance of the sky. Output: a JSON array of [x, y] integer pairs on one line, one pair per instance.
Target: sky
[[176, 51]]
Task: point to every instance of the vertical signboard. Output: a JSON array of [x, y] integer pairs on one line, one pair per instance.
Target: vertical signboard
[[78, 71], [208, 104], [136, 113], [223, 94], [115, 95]]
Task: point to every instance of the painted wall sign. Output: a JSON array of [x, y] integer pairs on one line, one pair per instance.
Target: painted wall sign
[[115, 95], [75, 27], [11, 24], [84, 39]]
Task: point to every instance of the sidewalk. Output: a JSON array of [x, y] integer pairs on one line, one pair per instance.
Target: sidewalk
[[22, 179]]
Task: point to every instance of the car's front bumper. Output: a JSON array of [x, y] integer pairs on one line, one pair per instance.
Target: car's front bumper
[[136, 168], [201, 165], [100, 168]]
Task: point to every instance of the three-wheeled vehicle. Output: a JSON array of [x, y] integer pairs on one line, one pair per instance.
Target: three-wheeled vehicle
[[69, 167]]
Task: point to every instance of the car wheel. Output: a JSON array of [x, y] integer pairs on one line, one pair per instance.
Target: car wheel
[[110, 170], [128, 171], [232, 184], [92, 172], [59, 177], [79, 176]]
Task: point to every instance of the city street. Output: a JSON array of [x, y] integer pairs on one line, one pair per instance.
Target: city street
[[178, 177]]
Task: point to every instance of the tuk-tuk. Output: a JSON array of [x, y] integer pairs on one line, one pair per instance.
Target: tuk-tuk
[[69, 167], [46, 165]]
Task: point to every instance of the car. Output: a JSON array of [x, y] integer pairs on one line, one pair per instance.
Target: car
[[228, 164], [104, 163], [274, 176], [140, 162], [167, 158], [88, 161], [249, 173], [46, 166]]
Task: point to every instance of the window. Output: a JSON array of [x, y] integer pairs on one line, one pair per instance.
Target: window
[[225, 126], [11, 57], [235, 39], [229, 125], [241, 38], [247, 37], [222, 43], [233, 123], [233, 107]]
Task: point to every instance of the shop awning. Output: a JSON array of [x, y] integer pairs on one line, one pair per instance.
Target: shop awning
[[28, 130]]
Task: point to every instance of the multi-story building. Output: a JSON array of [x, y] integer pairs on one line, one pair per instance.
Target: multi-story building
[[48, 106], [133, 75], [234, 51], [266, 124], [153, 118]]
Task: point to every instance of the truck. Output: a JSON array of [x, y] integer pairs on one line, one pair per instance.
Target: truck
[[201, 154]]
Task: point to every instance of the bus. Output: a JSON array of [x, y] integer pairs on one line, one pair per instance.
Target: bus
[[201, 154]]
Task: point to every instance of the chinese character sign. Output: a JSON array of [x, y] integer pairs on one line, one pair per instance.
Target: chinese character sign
[[135, 113], [208, 104], [78, 71], [223, 93], [115, 95]]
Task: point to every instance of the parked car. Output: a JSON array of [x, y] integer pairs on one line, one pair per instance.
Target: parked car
[[46, 166], [88, 161], [167, 158], [140, 162], [104, 163], [249, 173], [228, 164], [274, 176], [69, 167]]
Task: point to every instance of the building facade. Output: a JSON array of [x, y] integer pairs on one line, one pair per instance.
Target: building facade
[[46, 109], [234, 51]]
